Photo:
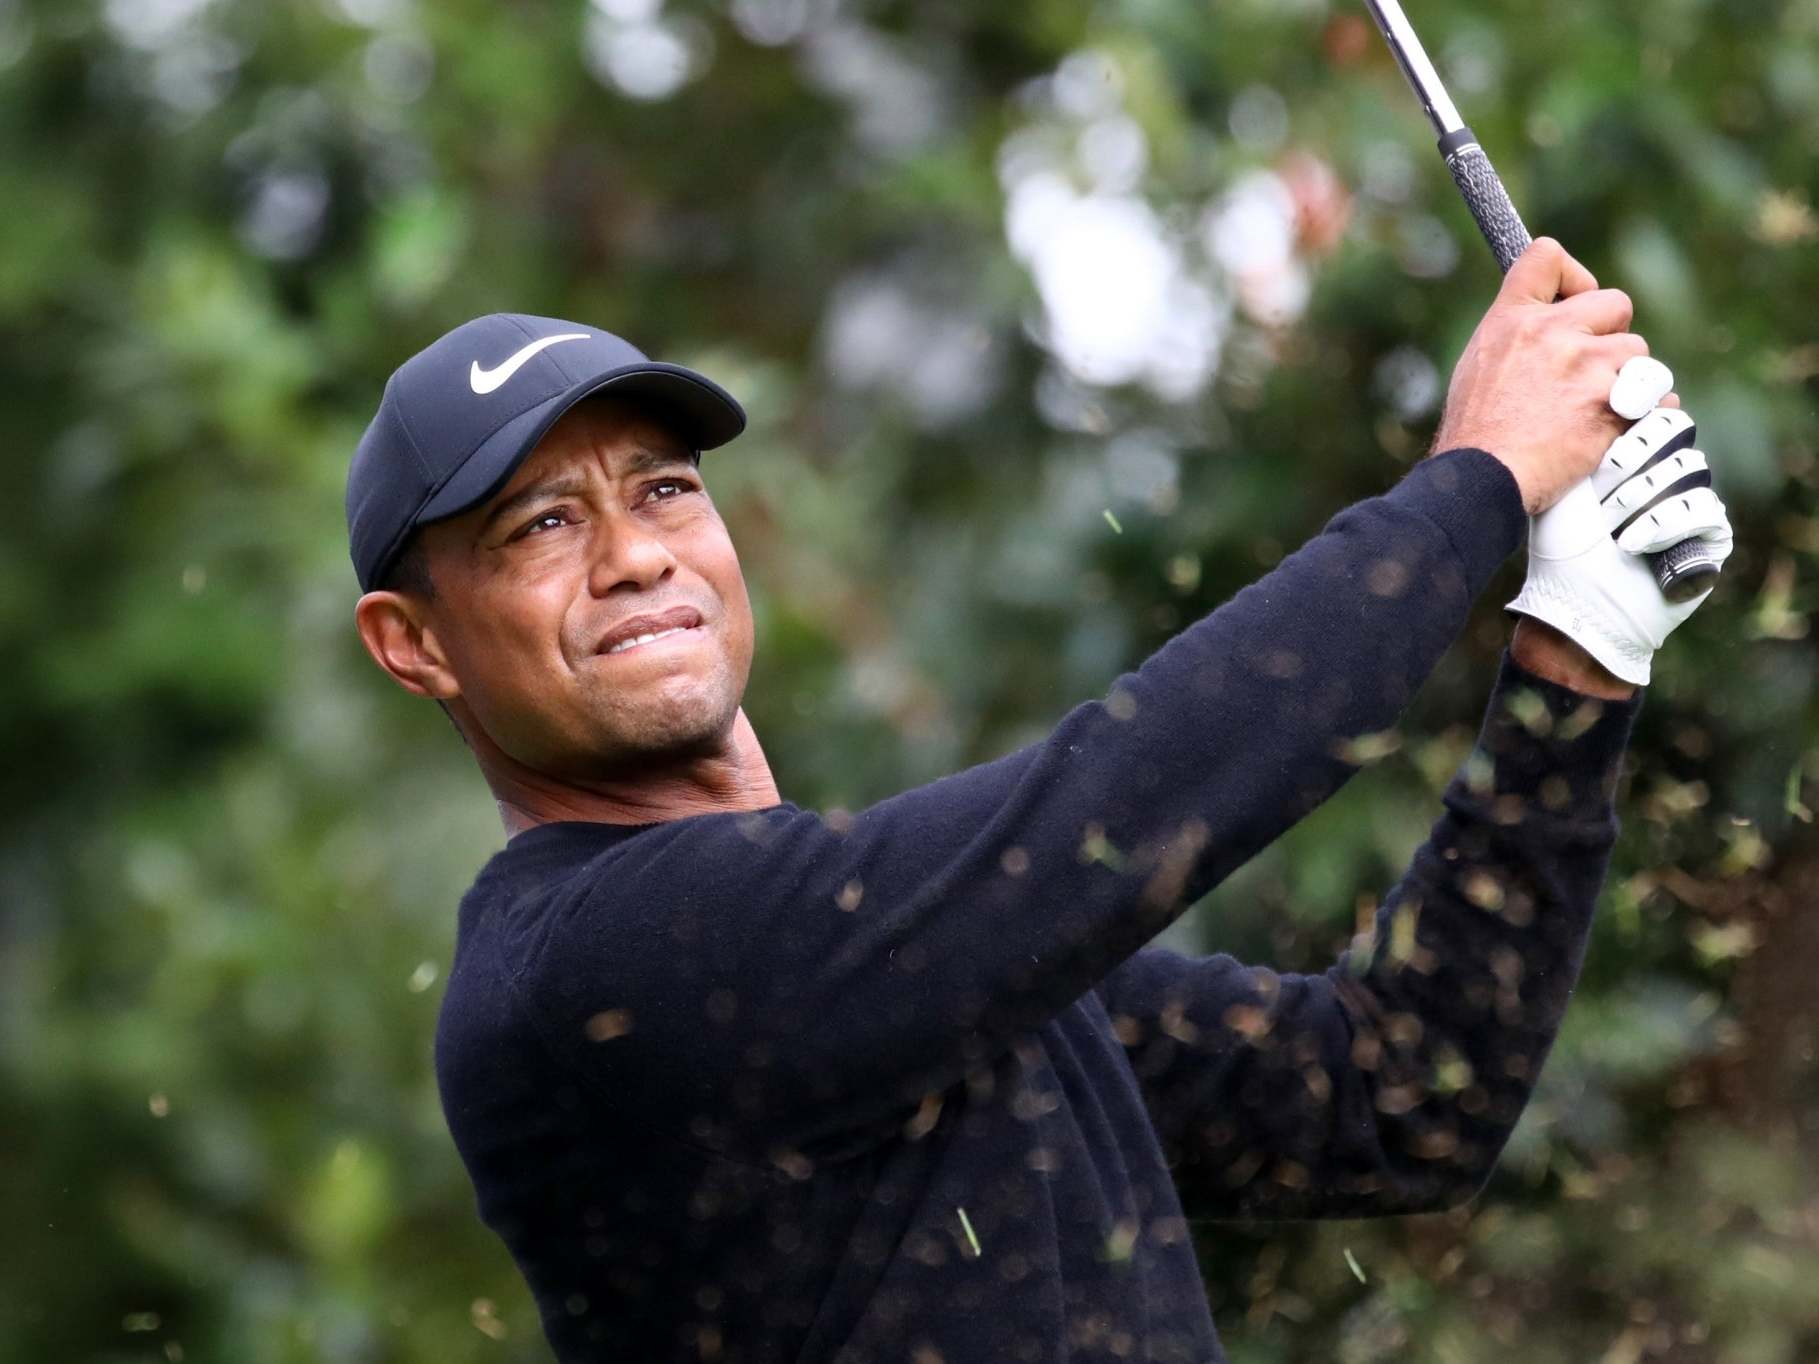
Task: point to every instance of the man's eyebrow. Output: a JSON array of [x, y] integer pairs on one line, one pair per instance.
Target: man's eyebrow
[[559, 485], [649, 457], [567, 485]]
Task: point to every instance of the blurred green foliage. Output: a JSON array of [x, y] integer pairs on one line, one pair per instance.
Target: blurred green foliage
[[232, 851]]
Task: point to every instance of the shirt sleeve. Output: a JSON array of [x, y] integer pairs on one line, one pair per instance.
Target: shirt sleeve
[[778, 974], [1390, 1083]]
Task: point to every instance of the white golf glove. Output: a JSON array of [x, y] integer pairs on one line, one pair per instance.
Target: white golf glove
[[1586, 574]]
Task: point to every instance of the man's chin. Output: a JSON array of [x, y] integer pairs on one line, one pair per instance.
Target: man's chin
[[670, 740]]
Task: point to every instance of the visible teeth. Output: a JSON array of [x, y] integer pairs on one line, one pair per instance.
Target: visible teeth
[[644, 639]]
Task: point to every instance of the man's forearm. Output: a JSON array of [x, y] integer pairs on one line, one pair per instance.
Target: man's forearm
[[1390, 1083], [1496, 911], [1546, 652]]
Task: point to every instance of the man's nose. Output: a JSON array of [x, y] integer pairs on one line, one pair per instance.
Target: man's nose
[[625, 551]]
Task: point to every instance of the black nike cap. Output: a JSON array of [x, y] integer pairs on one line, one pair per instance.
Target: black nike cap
[[460, 415]]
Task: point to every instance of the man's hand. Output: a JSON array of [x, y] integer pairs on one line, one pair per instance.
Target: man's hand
[[1586, 573], [1534, 384]]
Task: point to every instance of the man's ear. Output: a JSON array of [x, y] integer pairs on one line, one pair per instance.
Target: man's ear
[[397, 633]]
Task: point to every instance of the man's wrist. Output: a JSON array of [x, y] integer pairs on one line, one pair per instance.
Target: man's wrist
[[1546, 652]]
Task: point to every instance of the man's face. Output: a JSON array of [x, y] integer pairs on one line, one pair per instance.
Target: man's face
[[607, 520]]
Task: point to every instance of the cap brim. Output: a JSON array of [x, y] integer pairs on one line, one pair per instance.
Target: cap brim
[[705, 414]]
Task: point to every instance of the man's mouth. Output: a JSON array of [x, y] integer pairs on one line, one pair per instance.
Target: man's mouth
[[635, 632], [640, 640]]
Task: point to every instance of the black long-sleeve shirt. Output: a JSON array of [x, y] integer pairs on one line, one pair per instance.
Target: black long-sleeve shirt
[[907, 1085]]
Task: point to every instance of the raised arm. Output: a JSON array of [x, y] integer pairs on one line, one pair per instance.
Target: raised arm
[[778, 973], [1390, 1083]]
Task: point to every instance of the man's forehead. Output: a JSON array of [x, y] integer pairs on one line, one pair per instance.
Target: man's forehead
[[626, 439]]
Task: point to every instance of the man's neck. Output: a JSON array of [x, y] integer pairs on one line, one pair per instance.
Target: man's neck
[[738, 778]]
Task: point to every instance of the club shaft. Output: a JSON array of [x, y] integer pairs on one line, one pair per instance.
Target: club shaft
[[1412, 58]]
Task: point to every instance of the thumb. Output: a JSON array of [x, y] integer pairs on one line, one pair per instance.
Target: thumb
[[1543, 273]]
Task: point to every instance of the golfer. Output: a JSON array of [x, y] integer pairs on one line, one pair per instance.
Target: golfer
[[740, 1081]]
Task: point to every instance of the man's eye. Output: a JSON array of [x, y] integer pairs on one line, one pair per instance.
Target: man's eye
[[543, 520], [683, 484]]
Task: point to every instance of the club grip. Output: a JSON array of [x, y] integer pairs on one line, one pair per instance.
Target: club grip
[[1485, 196], [1685, 570], [1681, 571]]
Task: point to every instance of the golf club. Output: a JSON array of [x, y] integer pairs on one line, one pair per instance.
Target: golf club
[[1683, 570]]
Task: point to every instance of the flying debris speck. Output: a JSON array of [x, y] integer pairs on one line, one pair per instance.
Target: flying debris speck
[[966, 1222], [485, 1318]]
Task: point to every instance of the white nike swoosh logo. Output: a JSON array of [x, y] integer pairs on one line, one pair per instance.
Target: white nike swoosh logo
[[484, 381]]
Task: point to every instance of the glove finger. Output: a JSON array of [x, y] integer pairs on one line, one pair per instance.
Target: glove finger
[[1661, 433], [1678, 473], [1696, 515]]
